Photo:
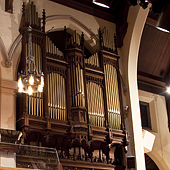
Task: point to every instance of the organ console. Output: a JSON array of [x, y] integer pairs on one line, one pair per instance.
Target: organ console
[[80, 111]]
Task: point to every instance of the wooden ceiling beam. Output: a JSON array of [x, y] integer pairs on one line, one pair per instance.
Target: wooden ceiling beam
[[151, 22]]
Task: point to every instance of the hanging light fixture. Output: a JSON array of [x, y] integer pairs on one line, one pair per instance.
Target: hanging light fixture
[[32, 82], [163, 23], [102, 3]]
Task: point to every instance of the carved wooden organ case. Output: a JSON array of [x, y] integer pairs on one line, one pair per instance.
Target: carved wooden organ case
[[80, 110]]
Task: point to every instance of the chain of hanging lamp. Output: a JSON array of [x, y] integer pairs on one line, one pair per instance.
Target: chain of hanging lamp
[[32, 82]]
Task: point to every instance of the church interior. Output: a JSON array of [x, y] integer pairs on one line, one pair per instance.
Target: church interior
[[84, 84]]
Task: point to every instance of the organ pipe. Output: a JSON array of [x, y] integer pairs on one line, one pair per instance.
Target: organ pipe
[[107, 40], [34, 103], [112, 96], [75, 38], [51, 48], [93, 60], [77, 86], [34, 16], [56, 96], [95, 104]]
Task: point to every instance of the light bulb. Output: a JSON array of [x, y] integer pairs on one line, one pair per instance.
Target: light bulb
[[31, 80], [20, 85], [40, 88], [100, 4], [20, 90], [42, 81], [30, 91], [162, 29], [168, 90]]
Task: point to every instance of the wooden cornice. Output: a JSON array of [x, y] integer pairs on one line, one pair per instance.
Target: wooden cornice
[[151, 83]]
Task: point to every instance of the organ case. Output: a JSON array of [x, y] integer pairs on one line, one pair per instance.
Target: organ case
[[80, 111]]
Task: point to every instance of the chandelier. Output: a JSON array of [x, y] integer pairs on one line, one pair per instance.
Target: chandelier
[[32, 82]]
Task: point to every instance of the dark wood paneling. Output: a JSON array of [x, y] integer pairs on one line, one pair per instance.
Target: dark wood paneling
[[154, 51]]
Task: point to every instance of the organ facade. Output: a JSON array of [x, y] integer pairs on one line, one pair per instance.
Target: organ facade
[[80, 111]]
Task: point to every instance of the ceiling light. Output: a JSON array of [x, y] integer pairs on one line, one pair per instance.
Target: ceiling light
[[102, 3], [163, 23], [168, 90]]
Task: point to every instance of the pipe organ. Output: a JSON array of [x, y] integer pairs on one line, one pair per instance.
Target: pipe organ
[[80, 109]]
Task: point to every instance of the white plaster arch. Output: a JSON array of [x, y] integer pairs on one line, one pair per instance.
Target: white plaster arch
[[159, 161], [71, 22]]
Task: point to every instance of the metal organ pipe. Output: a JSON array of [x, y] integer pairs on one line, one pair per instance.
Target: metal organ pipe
[[56, 87], [112, 96], [78, 97], [56, 96], [95, 104], [107, 40], [93, 60], [51, 48]]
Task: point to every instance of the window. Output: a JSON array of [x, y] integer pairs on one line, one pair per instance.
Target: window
[[145, 115], [9, 6]]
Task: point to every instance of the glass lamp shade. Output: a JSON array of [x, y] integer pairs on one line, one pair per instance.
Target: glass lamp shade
[[163, 23], [102, 3]]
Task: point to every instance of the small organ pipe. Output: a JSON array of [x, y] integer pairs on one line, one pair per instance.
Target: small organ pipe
[[48, 78], [55, 96], [37, 19], [74, 82], [53, 81], [83, 88], [112, 88], [77, 91], [93, 60], [58, 111], [64, 99], [61, 98], [72, 85], [51, 95]]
